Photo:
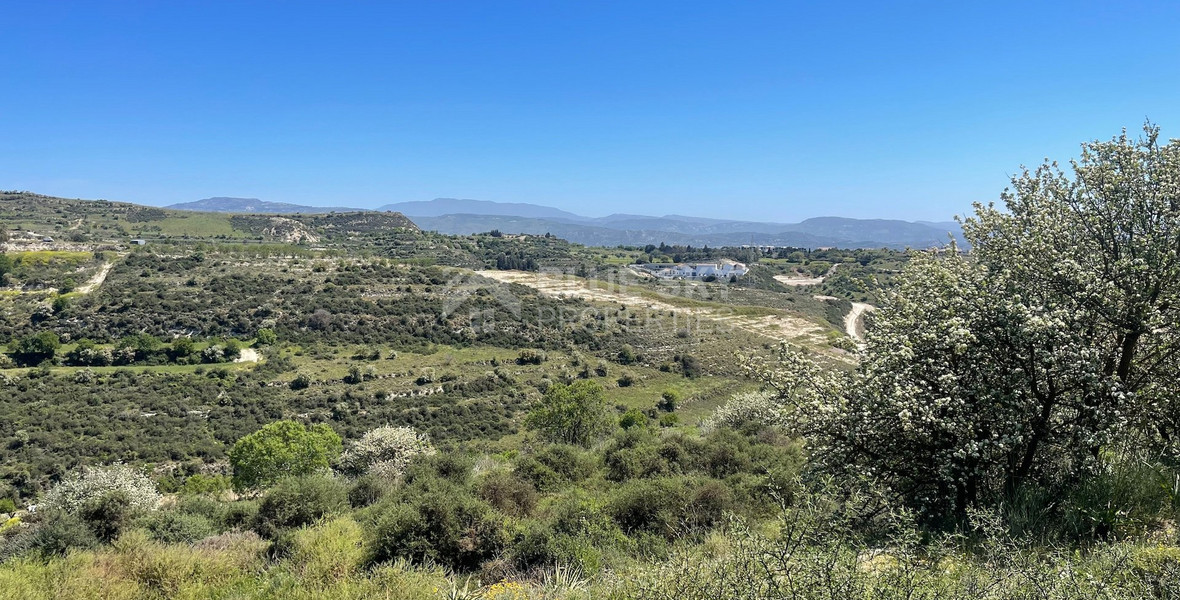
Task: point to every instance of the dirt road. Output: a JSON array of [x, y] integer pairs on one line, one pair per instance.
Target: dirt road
[[97, 280], [852, 320]]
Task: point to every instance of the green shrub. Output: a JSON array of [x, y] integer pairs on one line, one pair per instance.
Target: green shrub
[[542, 476], [452, 466], [110, 514], [633, 453], [205, 484], [555, 466], [670, 506], [508, 493], [539, 546], [571, 463], [651, 505], [302, 381], [265, 337], [633, 418], [174, 527], [204, 506], [435, 521], [327, 553], [368, 489], [57, 534], [669, 400], [240, 514], [299, 501], [282, 449]]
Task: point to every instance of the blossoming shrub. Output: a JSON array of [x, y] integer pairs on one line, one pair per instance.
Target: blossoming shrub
[[91, 484], [385, 452], [757, 409]]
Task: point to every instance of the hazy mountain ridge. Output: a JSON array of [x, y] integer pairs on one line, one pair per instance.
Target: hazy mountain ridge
[[225, 204], [464, 216], [631, 229], [457, 206]]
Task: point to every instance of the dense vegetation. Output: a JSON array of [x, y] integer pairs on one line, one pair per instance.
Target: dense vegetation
[[411, 429]]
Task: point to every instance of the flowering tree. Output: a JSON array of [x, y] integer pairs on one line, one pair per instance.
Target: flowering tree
[[92, 484], [385, 452], [1016, 364]]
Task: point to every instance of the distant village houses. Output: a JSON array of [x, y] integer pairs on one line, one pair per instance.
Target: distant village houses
[[721, 270]]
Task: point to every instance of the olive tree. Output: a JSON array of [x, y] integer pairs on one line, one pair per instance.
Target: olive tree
[[282, 449], [571, 414], [1015, 364]]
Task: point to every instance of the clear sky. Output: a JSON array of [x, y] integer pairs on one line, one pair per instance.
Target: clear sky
[[754, 110]]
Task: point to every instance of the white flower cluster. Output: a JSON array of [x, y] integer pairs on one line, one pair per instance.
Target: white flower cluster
[[73, 492], [749, 407], [386, 452]]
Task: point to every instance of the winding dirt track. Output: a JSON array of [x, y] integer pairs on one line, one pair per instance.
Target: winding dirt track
[[852, 320]]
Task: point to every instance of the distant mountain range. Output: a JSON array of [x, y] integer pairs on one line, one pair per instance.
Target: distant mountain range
[[254, 205], [465, 217], [455, 206]]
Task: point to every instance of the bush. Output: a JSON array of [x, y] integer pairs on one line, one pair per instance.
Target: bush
[[436, 521], [385, 452], [57, 534], [109, 515], [90, 485], [556, 465], [240, 514], [633, 418], [266, 337], [529, 356], [748, 410], [660, 506], [454, 467], [627, 355], [669, 400], [574, 531], [299, 501], [367, 490], [572, 414], [174, 527], [205, 484], [302, 381], [327, 553], [282, 449], [508, 493]]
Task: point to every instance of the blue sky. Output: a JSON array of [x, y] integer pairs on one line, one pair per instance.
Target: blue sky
[[753, 110]]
